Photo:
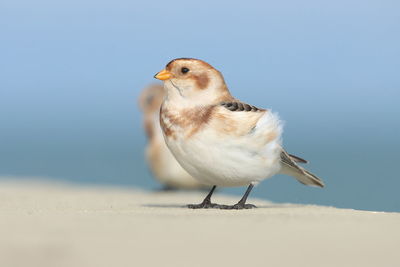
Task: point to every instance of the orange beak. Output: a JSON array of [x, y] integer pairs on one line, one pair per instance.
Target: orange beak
[[163, 75]]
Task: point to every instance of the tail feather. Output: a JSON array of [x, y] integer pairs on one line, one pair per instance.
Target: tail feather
[[289, 167], [297, 159]]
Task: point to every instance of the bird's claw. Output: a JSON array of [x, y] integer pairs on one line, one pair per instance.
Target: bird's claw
[[238, 206], [203, 205]]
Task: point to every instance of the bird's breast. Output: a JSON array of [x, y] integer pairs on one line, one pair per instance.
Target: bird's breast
[[184, 123], [168, 124]]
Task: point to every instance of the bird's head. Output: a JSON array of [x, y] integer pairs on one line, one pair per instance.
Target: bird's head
[[151, 98], [193, 80]]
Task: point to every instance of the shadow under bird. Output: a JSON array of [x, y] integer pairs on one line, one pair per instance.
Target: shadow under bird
[[162, 163], [220, 140]]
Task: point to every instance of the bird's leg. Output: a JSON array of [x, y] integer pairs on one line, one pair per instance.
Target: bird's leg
[[242, 202], [206, 204]]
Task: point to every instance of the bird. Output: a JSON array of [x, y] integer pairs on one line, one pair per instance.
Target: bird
[[218, 139], [162, 163]]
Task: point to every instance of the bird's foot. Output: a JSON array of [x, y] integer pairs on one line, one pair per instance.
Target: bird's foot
[[237, 206], [203, 205]]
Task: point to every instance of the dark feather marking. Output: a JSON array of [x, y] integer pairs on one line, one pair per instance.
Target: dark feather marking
[[285, 158], [238, 106], [297, 159]]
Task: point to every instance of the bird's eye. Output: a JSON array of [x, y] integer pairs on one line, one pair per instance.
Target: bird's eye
[[184, 70]]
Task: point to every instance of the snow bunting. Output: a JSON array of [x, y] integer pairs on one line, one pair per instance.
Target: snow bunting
[[162, 163], [219, 140]]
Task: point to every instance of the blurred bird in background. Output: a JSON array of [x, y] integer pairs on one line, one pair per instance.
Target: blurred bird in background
[[162, 163]]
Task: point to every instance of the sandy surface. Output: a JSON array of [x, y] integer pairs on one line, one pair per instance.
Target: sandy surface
[[44, 224]]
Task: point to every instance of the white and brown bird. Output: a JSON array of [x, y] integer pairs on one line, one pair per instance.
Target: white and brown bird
[[218, 139], [162, 163]]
